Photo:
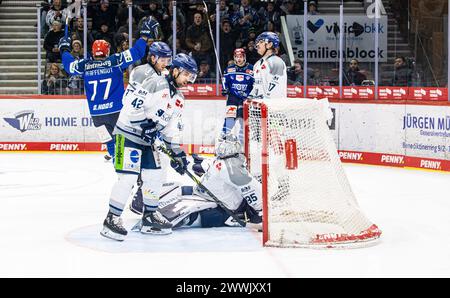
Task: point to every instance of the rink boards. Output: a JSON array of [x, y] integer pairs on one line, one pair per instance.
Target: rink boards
[[394, 133]]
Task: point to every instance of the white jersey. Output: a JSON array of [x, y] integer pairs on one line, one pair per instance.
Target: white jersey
[[157, 99], [138, 75], [270, 78], [228, 179]]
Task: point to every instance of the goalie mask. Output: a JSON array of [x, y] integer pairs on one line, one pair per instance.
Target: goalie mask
[[227, 145]]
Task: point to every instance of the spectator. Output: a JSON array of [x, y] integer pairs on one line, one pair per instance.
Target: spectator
[[45, 7], [224, 10], [289, 8], [402, 73], [270, 14], [181, 34], [205, 71], [54, 82], [104, 14], [51, 42], [122, 13], [270, 26], [227, 41], [125, 45], [56, 12], [77, 49], [122, 33], [155, 11], [167, 20], [251, 34], [122, 47], [105, 34], [312, 8], [245, 17], [295, 74], [179, 47], [92, 7], [251, 52], [198, 40], [77, 33], [353, 76]]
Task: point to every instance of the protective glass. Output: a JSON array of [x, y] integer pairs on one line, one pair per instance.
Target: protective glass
[[191, 76], [165, 60]]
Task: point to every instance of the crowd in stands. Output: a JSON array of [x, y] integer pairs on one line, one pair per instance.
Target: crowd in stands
[[241, 22]]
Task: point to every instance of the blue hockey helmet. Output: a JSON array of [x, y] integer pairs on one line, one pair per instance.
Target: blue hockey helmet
[[160, 49], [269, 37], [187, 63]]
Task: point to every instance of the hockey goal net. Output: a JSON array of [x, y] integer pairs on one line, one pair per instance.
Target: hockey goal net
[[308, 201]]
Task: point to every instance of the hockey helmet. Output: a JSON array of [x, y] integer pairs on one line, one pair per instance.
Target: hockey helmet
[[269, 37], [227, 145], [100, 48], [160, 49], [187, 63]]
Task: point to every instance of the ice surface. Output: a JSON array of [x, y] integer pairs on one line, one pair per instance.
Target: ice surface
[[53, 206]]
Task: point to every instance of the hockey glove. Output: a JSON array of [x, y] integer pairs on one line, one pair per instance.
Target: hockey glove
[[253, 215], [149, 29], [224, 92], [65, 44], [179, 163], [149, 131]]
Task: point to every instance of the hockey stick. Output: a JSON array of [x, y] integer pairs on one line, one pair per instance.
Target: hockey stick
[[212, 39], [73, 10], [66, 27], [163, 149]]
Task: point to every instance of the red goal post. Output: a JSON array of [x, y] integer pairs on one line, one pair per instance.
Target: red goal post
[[307, 199]]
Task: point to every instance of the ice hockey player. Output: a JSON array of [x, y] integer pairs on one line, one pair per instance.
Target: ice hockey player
[[159, 58], [237, 84], [103, 79], [227, 178], [154, 109], [269, 72]]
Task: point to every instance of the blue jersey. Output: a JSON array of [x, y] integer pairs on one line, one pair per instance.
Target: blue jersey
[[103, 79], [238, 81]]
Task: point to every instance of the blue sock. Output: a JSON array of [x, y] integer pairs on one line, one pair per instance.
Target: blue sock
[[114, 210], [110, 147]]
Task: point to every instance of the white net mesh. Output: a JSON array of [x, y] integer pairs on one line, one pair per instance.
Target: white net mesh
[[313, 204]]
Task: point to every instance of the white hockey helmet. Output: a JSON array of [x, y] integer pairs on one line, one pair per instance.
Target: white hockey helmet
[[227, 145]]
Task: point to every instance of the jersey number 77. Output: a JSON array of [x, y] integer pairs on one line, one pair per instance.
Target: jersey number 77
[[101, 82]]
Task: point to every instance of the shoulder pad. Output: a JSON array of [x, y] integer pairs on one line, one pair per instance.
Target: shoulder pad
[[155, 84]]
